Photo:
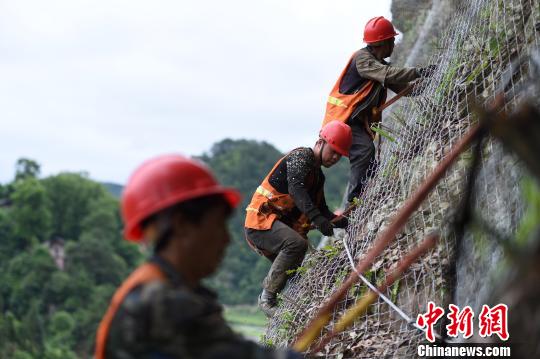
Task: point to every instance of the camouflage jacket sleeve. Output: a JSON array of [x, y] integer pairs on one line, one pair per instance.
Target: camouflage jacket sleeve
[[159, 321], [371, 68], [325, 211]]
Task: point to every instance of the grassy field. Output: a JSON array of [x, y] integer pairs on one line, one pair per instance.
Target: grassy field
[[246, 320]]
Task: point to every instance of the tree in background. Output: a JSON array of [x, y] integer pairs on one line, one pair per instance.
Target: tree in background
[[47, 311], [30, 210], [71, 195], [26, 168]]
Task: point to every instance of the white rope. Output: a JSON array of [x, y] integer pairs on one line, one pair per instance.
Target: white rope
[[385, 298]]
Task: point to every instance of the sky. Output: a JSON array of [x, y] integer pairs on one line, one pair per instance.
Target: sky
[[99, 86]]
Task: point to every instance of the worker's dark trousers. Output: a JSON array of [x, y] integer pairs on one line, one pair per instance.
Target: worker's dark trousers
[[287, 249], [361, 157]]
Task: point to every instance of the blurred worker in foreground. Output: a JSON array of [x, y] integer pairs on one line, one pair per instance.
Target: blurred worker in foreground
[[361, 88], [162, 310], [287, 202]]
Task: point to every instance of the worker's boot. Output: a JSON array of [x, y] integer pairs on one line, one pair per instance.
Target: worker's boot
[[289, 257], [268, 303]]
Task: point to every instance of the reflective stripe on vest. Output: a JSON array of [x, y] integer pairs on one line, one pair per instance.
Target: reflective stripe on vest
[[341, 106], [147, 272], [336, 101], [261, 190]]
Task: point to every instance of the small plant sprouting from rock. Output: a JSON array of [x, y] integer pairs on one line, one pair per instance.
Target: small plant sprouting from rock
[[330, 251]]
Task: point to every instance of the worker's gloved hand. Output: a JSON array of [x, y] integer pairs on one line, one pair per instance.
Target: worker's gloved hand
[[341, 222], [427, 71], [323, 225]]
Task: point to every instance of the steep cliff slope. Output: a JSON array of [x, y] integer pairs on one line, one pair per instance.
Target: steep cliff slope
[[473, 43]]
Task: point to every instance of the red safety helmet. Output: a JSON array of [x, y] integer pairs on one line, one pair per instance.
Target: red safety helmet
[[162, 182], [338, 135], [378, 29]]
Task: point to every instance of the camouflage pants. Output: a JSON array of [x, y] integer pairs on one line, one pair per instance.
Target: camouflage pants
[[362, 156], [287, 249]]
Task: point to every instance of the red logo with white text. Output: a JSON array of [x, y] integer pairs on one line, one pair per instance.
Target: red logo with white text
[[491, 321]]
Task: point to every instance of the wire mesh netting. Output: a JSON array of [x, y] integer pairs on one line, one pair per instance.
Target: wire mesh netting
[[473, 55]]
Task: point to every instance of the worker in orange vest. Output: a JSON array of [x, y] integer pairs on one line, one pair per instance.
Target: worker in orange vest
[[287, 202], [361, 87], [162, 310]]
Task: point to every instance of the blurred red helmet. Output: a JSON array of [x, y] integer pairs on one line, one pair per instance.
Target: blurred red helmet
[[165, 181]]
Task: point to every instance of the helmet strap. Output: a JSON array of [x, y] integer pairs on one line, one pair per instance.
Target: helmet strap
[[164, 230]]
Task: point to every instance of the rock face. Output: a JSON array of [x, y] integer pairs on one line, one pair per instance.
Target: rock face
[[407, 14], [57, 252], [422, 23], [473, 43]]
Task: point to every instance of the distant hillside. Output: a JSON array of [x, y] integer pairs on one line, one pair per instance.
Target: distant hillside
[[113, 188]]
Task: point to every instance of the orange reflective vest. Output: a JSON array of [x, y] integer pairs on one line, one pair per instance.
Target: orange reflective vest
[[267, 205], [341, 106], [148, 272]]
